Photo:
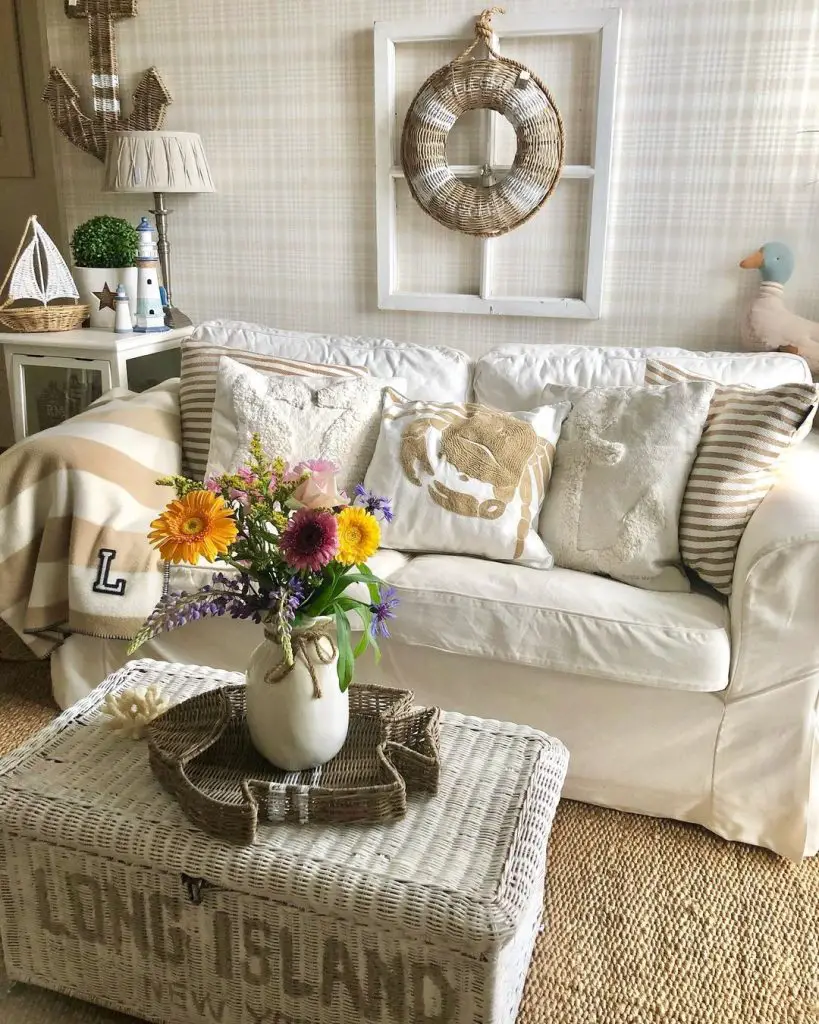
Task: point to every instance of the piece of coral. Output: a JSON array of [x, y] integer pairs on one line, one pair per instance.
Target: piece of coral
[[130, 711]]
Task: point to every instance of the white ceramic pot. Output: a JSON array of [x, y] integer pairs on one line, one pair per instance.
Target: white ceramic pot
[[295, 720], [93, 279]]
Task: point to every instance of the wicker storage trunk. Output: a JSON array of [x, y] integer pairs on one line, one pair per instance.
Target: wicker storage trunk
[[111, 895]]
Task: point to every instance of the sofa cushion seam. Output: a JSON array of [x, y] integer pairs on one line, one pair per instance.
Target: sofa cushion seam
[[705, 631]]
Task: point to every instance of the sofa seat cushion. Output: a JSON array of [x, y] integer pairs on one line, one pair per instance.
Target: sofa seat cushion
[[563, 620]]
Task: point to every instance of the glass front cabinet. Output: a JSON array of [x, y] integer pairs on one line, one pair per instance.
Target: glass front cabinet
[[50, 389]]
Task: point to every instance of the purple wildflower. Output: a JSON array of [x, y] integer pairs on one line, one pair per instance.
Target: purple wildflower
[[373, 503], [224, 595], [382, 611]]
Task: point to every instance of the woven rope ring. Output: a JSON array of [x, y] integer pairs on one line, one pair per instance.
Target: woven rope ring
[[494, 83]]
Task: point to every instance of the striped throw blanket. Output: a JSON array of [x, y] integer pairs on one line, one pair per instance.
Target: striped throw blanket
[[76, 502]]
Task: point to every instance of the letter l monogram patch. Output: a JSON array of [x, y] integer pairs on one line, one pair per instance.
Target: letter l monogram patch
[[103, 584]]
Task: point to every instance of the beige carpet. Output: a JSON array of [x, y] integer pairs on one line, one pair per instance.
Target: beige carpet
[[648, 921]]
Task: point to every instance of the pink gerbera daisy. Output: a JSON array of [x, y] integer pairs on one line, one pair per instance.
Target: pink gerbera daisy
[[310, 539]]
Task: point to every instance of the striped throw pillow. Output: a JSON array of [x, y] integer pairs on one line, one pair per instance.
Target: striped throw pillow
[[197, 391], [746, 432]]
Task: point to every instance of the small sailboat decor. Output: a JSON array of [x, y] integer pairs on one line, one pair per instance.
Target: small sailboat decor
[[38, 276]]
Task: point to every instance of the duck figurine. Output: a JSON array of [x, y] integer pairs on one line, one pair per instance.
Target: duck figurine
[[770, 325]]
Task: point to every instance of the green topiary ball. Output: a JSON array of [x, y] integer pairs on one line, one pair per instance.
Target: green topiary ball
[[105, 242]]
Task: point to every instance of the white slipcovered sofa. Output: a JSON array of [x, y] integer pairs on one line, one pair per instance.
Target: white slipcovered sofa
[[681, 705]]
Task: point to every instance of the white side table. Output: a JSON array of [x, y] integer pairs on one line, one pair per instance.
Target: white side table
[[57, 374]]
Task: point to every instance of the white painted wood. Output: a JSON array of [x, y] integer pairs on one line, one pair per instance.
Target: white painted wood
[[606, 24], [385, 155], [501, 306], [80, 349], [93, 341], [603, 135]]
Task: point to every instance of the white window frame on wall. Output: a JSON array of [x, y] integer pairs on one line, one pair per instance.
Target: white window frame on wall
[[606, 24]]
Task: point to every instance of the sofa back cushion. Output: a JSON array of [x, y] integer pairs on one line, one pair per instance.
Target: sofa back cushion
[[430, 374], [513, 377]]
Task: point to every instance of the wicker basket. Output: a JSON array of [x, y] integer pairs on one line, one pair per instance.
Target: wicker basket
[[495, 83], [34, 319], [202, 754], [110, 894]]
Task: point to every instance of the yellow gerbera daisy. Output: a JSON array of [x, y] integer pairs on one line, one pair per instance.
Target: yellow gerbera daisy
[[358, 536], [190, 527]]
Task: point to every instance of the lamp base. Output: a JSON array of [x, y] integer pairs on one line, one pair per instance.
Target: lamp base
[[176, 318]]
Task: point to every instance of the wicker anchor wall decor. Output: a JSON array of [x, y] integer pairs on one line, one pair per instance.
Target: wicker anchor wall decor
[[496, 83], [150, 99]]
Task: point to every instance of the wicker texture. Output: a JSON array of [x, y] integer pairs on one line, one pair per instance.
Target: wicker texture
[[150, 99], [202, 753], [495, 83], [66, 316], [110, 893]]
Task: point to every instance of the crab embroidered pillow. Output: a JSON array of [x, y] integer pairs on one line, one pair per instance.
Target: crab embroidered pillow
[[297, 418], [465, 479], [621, 468]]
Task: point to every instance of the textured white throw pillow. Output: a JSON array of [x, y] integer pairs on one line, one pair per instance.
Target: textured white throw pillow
[[465, 479], [297, 418], [621, 467]]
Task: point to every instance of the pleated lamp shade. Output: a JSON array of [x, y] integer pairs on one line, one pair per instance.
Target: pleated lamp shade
[[156, 162]]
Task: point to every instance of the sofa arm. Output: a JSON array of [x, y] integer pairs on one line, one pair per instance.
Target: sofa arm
[[774, 604]]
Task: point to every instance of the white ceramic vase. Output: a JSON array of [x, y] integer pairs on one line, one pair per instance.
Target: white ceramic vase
[[298, 718], [93, 279]]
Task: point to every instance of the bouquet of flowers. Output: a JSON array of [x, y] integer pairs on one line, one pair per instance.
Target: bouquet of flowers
[[296, 543]]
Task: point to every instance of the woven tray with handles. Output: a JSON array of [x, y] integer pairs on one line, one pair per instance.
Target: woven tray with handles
[[202, 754]]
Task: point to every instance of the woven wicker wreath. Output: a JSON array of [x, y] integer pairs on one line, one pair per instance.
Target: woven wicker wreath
[[495, 83]]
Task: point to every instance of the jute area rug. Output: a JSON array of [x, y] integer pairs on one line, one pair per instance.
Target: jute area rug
[[646, 921]]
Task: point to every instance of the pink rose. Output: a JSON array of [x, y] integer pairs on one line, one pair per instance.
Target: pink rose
[[213, 485], [317, 491], [316, 466], [241, 496], [247, 475]]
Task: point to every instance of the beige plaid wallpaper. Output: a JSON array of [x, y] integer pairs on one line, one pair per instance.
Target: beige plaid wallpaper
[[709, 163]]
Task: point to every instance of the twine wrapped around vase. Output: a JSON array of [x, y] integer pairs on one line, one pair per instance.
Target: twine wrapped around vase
[[301, 641]]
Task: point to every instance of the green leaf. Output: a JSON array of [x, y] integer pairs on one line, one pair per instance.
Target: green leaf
[[372, 581], [345, 653], [376, 649], [322, 603], [350, 604], [366, 617]]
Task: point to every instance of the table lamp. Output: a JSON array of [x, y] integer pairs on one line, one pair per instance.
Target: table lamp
[[158, 162]]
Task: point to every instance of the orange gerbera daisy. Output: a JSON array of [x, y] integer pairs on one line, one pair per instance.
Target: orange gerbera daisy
[[200, 524], [358, 536]]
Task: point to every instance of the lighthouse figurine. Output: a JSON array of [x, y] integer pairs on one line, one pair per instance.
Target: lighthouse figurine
[[122, 312], [150, 316]]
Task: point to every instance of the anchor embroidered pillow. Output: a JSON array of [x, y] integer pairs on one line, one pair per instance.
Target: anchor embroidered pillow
[[621, 467], [297, 418], [465, 479]]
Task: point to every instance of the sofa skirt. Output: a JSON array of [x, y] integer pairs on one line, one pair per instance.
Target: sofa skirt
[[686, 755]]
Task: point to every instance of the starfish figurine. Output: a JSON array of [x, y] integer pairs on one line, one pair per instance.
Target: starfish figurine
[[106, 297]]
